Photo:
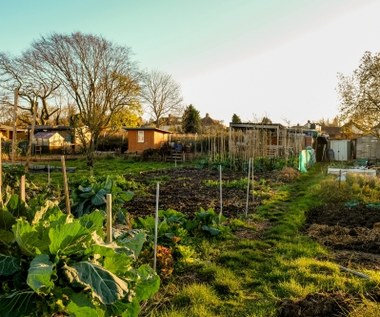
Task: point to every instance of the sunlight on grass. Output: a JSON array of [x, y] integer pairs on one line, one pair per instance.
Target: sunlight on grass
[[366, 309], [293, 289], [197, 299]]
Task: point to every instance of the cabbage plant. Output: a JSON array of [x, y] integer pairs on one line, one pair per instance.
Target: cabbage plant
[[55, 263]]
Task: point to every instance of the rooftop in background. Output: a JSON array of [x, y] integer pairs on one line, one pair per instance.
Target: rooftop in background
[[147, 129]]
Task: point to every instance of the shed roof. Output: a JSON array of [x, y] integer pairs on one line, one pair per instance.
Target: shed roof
[[45, 135], [147, 129]]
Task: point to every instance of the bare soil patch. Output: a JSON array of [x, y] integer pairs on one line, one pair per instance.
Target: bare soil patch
[[186, 190], [352, 233]]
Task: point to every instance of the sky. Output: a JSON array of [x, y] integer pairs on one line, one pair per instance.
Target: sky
[[254, 58]]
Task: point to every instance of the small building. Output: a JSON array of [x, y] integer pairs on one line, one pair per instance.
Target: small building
[[48, 141], [6, 133], [368, 147], [73, 137], [341, 149], [144, 138]]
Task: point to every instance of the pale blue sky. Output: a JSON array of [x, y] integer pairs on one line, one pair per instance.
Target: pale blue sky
[[255, 58]]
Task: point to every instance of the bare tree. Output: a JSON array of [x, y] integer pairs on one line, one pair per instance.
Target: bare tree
[[26, 75], [161, 95], [96, 73]]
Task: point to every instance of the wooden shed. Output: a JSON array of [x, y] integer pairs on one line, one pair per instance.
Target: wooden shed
[[341, 149], [368, 147], [143, 138]]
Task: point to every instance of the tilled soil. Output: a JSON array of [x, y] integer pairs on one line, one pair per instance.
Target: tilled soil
[[186, 190], [352, 233], [353, 237]]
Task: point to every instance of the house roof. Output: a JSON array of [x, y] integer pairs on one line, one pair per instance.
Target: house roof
[[147, 129], [5, 127], [332, 130], [208, 121], [45, 135]]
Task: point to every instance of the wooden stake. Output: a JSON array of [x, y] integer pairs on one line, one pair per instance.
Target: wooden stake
[[1, 173], [109, 217], [221, 193], [48, 167], [156, 227], [66, 186], [22, 188], [248, 181], [253, 181]]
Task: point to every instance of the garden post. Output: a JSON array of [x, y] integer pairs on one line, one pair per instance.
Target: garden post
[[66, 186], [22, 188], [1, 173], [253, 180], [109, 217], [48, 170], [221, 193], [156, 228], [248, 181]]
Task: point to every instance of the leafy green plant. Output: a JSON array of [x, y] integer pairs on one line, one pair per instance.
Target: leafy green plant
[[171, 226], [57, 264], [90, 195], [208, 222]]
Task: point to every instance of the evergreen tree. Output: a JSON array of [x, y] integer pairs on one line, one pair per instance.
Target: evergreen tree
[[191, 120], [236, 118]]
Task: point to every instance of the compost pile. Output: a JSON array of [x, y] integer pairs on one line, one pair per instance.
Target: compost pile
[[352, 233]]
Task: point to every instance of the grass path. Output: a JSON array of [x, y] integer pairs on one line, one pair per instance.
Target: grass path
[[249, 274]]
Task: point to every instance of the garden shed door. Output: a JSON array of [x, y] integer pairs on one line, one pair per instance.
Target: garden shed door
[[342, 149]]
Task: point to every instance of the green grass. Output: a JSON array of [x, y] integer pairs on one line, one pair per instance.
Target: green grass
[[102, 167]]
